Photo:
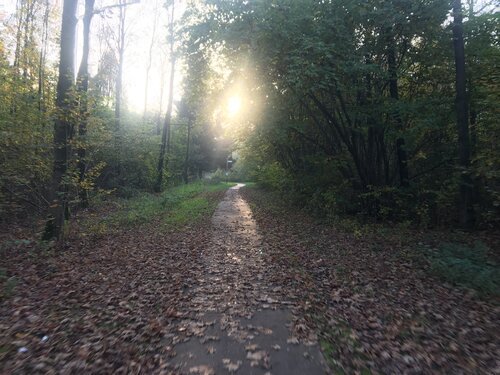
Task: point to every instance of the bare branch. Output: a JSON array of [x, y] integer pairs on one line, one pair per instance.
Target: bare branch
[[102, 10]]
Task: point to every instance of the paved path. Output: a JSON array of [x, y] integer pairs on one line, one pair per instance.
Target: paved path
[[241, 323]]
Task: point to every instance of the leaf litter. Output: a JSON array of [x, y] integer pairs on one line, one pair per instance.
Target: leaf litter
[[122, 303], [374, 311]]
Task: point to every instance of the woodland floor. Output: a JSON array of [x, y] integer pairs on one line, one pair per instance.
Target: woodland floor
[[247, 291]]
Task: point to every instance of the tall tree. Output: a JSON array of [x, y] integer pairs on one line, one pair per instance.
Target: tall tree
[[185, 111], [394, 93], [62, 123], [185, 173], [150, 59], [163, 59], [165, 137], [466, 193], [43, 55], [82, 89], [119, 80]]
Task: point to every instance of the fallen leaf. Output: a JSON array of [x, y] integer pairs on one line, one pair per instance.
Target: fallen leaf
[[230, 366], [292, 340], [251, 347], [202, 370]]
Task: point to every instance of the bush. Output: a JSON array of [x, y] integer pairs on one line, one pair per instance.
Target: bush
[[218, 176], [467, 266], [272, 176]]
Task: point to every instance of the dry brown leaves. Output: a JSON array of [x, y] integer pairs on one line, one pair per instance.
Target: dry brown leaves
[[375, 309]]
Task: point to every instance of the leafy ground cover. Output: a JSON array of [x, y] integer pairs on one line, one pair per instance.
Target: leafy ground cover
[[105, 303], [147, 299], [136, 298], [373, 297], [469, 266], [175, 207]]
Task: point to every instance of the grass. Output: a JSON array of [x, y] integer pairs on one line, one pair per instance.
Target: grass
[[7, 284], [175, 207], [468, 266]]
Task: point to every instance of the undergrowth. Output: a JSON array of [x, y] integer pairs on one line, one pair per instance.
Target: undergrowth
[[7, 284], [468, 266], [452, 261], [175, 207]]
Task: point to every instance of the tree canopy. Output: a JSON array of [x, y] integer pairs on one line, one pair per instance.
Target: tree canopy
[[347, 107]]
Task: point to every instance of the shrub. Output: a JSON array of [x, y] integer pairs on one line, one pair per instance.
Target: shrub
[[218, 176], [272, 176]]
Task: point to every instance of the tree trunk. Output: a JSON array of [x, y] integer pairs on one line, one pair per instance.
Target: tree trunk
[[162, 91], [165, 137], [466, 210], [394, 93], [148, 67], [62, 123], [19, 33], [28, 39], [43, 54], [186, 160], [18, 50], [82, 88], [119, 86]]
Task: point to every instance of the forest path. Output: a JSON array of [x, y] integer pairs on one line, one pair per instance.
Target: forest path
[[241, 323]]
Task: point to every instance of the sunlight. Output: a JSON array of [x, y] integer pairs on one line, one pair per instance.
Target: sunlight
[[233, 105]]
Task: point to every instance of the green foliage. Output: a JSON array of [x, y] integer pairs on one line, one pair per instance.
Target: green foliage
[[176, 206], [272, 176], [7, 284], [467, 266], [27, 86], [322, 125], [331, 121], [190, 211], [218, 176]]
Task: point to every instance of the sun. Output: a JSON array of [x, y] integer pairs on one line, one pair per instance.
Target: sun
[[233, 105]]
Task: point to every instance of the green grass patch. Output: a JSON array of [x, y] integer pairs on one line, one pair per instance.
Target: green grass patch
[[177, 206], [7, 284], [190, 210], [468, 266], [250, 184]]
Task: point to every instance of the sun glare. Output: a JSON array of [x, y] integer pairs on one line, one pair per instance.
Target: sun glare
[[233, 105]]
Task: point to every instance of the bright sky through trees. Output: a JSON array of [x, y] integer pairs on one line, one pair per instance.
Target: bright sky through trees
[[233, 106], [140, 19], [139, 29]]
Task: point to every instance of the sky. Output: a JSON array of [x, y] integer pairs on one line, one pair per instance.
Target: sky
[[140, 20], [139, 25]]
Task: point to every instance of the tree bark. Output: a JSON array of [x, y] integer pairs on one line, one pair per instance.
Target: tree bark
[[150, 59], [43, 54], [62, 123], [165, 138], [186, 160], [394, 93], [119, 85], [82, 88], [466, 211], [19, 33], [162, 91]]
